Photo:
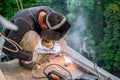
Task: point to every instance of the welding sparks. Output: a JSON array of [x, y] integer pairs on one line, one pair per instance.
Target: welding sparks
[[67, 61]]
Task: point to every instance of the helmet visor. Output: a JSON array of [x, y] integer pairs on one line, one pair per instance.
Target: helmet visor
[[49, 34]]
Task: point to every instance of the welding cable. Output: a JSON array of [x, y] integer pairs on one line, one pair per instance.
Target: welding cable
[[33, 73], [59, 66], [16, 45]]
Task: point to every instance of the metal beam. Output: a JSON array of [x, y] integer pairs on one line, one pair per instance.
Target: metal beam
[[88, 65]]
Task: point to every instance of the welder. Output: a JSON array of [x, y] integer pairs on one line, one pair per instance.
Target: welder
[[37, 25]]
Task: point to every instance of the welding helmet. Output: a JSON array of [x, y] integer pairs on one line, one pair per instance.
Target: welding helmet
[[58, 26]]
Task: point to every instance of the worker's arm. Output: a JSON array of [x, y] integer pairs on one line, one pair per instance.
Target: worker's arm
[[23, 27]]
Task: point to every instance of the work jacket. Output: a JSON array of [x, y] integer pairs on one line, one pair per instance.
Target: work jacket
[[26, 20]]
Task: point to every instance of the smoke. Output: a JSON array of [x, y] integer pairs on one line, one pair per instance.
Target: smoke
[[77, 38]]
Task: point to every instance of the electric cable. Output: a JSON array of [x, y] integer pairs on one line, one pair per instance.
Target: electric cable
[[38, 77], [19, 4], [33, 73], [15, 44]]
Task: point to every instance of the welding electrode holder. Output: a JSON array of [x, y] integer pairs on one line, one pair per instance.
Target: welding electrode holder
[[53, 75]]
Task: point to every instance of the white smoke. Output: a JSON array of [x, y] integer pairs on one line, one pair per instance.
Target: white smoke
[[77, 38]]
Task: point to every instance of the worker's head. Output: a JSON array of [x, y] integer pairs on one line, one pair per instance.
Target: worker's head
[[57, 26]]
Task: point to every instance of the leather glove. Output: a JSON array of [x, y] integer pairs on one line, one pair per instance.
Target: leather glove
[[24, 55], [40, 59], [37, 59]]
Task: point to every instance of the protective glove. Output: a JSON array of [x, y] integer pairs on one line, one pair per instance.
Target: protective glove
[[40, 59], [24, 55], [37, 59]]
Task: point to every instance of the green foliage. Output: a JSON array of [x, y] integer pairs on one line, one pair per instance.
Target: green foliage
[[30, 3], [117, 59], [89, 34], [70, 17], [97, 21], [107, 60], [1, 7], [109, 48], [73, 5], [76, 7], [8, 8], [57, 5]]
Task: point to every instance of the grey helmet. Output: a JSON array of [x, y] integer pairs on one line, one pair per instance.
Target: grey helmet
[[58, 26]]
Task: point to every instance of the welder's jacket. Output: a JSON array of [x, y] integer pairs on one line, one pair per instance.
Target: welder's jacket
[[26, 20]]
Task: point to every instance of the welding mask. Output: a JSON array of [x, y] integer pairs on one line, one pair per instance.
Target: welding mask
[[56, 32]]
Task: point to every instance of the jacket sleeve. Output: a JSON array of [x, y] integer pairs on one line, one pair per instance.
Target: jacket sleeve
[[17, 36]]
